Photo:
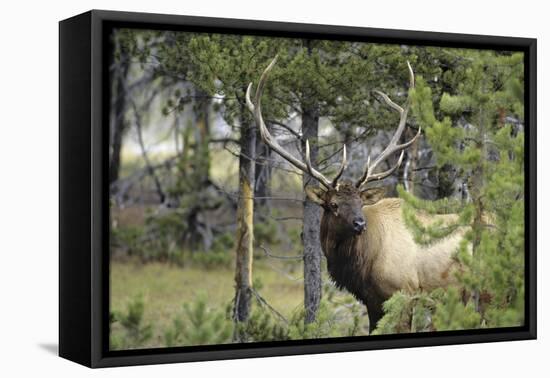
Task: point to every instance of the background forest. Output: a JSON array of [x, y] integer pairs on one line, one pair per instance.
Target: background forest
[[212, 239]]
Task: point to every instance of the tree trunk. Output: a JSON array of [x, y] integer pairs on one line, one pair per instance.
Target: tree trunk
[[263, 176], [476, 185], [118, 119], [311, 222], [245, 221], [199, 231], [202, 135], [409, 172]]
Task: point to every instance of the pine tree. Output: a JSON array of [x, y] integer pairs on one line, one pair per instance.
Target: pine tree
[[200, 325], [133, 331], [481, 137]]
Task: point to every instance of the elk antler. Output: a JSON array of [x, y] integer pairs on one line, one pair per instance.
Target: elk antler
[[255, 109], [393, 147]]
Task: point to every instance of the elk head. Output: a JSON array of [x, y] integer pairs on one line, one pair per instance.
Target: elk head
[[344, 204], [344, 201]]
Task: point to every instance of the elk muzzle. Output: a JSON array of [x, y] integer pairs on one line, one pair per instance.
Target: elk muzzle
[[359, 225]]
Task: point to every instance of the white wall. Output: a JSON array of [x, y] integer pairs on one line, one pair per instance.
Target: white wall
[[28, 185]]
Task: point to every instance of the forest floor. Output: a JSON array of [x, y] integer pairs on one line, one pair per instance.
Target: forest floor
[[166, 287]]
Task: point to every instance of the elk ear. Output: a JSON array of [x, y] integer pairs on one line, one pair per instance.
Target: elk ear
[[372, 195], [316, 195]]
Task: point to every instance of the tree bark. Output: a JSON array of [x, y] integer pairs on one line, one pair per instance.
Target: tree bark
[[245, 219], [202, 135], [477, 184], [119, 120], [199, 231], [263, 175], [311, 222], [409, 173]]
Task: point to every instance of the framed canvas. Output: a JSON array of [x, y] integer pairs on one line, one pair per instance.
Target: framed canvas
[[234, 188]]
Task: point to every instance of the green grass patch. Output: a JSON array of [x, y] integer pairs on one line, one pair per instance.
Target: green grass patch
[[165, 288], [163, 292]]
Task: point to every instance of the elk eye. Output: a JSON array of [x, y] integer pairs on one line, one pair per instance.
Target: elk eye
[[334, 205]]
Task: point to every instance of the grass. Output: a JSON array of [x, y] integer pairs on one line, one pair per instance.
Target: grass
[[165, 288]]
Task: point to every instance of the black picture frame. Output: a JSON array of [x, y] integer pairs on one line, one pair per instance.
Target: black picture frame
[[83, 195]]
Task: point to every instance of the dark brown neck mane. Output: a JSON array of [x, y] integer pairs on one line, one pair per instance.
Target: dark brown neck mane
[[347, 260]]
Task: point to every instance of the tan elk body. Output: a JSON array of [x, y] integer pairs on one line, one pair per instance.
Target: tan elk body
[[385, 258], [369, 250]]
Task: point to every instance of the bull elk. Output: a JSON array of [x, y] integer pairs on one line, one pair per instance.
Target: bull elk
[[369, 250]]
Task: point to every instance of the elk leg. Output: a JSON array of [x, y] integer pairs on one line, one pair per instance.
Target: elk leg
[[375, 312]]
